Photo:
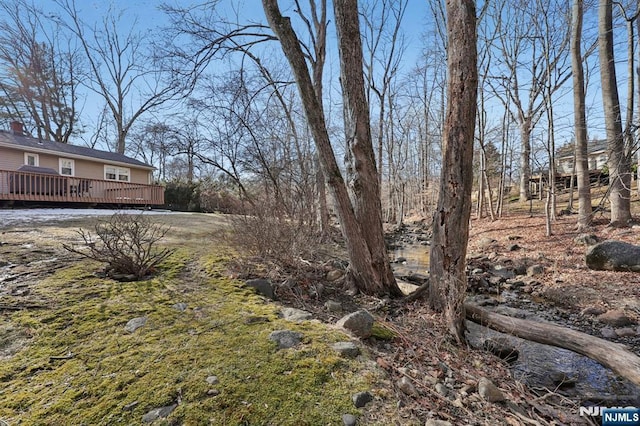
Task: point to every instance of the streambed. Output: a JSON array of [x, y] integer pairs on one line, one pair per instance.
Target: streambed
[[541, 367]]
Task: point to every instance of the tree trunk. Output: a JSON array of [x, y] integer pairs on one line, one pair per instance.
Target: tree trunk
[[611, 355], [525, 159], [369, 269], [451, 219], [581, 153], [364, 176], [618, 163]]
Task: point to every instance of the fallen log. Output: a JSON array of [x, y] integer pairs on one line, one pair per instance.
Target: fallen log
[[611, 355]]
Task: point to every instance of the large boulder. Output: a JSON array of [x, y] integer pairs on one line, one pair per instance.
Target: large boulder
[[614, 256]]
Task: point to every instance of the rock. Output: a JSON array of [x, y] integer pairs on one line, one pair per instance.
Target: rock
[[212, 380], [586, 239], [495, 280], [485, 242], [406, 385], [442, 389], [295, 315], [520, 269], [334, 275], [436, 422], [489, 301], [613, 256], [158, 413], [513, 247], [359, 323], [134, 324], [430, 379], [407, 288], [615, 318], [285, 338], [361, 399], [333, 306], [457, 403], [534, 270], [349, 420], [256, 320], [346, 349], [515, 283], [625, 332], [489, 391], [511, 312], [593, 310], [213, 392], [316, 290], [130, 406], [262, 287], [608, 333], [401, 260], [180, 306]]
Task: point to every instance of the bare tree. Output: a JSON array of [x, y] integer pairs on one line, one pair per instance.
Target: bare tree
[[619, 161], [40, 72], [451, 220], [522, 71], [384, 48], [122, 69], [361, 222], [581, 148]]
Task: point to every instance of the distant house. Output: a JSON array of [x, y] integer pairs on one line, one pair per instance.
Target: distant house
[[565, 173], [39, 170], [596, 151]]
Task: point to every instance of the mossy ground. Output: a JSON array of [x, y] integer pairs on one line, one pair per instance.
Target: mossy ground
[[100, 374]]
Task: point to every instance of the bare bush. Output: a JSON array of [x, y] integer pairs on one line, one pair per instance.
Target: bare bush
[[126, 242], [275, 238]]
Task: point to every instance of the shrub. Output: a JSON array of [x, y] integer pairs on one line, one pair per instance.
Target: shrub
[[270, 234], [126, 242], [182, 196]]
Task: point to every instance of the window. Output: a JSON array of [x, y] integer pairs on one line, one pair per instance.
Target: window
[[31, 159], [116, 173], [67, 167]]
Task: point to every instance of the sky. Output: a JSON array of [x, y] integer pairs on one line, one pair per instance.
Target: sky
[[146, 15], [415, 24]]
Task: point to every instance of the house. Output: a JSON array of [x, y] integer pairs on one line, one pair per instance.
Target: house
[[39, 170], [596, 152], [565, 173]]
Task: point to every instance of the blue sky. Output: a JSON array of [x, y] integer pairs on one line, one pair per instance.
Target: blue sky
[[416, 22]]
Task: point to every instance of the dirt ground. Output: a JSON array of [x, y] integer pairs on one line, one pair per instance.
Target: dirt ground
[[566, 281]]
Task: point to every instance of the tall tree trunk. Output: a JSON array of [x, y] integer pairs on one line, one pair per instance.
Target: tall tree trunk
[[369, 269], [364, 176], [448, 280], [618, 163], [525, 159], [581, 152]]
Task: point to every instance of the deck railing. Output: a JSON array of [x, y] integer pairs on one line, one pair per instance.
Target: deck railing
[[28, 186]]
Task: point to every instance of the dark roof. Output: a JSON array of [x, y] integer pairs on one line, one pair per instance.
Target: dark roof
[[9, 138], [592, 146]]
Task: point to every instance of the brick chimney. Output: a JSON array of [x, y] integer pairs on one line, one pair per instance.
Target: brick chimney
[[17, 128]]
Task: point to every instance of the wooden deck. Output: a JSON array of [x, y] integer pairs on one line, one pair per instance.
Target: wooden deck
[[27, 186]]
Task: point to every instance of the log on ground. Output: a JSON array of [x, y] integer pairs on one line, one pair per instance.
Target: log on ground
[[611, 355]]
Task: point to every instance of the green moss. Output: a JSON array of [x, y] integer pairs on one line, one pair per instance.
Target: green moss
[[381, 332], [170, 357]]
